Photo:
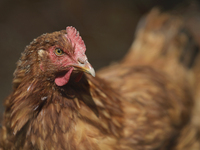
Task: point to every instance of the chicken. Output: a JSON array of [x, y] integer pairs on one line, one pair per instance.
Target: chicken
[[144, 102]]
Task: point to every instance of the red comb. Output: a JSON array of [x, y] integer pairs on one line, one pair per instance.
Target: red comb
[[76, 40]]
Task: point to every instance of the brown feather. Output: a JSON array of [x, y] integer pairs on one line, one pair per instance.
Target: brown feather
[[144, 102]]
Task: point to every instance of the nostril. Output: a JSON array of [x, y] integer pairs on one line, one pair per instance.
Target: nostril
[[81, 61]]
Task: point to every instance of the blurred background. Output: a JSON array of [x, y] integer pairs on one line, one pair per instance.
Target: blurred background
[[106, 26]]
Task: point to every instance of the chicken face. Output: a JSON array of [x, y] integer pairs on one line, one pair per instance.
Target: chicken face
[[68, 55]]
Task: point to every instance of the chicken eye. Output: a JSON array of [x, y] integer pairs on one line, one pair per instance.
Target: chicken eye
[[58, 51]]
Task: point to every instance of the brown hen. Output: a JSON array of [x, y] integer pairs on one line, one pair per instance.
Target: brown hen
[[145, 102]]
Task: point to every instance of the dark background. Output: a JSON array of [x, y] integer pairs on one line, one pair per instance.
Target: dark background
[[106, 26]]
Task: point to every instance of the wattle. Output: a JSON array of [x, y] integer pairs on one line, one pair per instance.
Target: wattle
[[63, 79]]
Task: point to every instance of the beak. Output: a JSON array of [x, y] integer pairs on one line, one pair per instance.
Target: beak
[[85, 67]]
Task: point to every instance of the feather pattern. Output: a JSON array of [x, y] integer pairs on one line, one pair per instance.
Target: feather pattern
[[141, 105]]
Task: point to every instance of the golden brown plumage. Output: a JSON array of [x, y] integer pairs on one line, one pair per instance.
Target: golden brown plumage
[[144, 102]]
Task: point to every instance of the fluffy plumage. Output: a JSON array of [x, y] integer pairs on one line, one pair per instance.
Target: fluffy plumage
[[143, 102]]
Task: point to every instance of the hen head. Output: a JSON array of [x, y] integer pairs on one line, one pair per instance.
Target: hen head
[[56, 55]]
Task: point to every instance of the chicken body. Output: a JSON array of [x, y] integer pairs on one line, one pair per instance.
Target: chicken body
[[141, 103]]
